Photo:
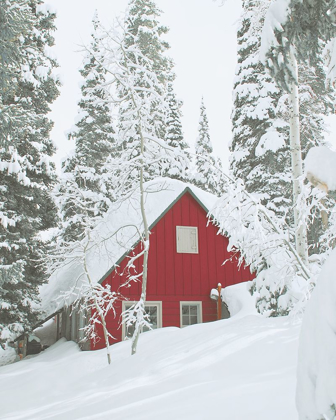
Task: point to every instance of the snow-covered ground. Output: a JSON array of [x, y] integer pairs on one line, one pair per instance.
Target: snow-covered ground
[[236, 369]]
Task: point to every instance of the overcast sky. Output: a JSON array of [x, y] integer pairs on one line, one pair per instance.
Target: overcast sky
[[203, 46]]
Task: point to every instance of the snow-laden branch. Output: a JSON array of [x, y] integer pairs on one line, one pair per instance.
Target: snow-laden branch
[[283, 279]]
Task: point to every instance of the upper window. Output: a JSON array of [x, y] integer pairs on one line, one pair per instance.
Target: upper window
[[153, 309], [186, 240], [191, 313]]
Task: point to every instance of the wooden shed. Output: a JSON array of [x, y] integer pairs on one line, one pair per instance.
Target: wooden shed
[[186, 261]]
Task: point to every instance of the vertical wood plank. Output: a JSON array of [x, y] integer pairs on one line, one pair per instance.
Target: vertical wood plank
[[170, 249]]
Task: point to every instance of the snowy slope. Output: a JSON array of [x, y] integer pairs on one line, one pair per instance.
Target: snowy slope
[[236, 369], [316, 391]]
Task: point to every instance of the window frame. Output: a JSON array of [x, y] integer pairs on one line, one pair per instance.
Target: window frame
[[178, 245], [198, 303], [157, 303]]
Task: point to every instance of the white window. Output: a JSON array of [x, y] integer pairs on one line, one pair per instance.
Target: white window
[[186, 240], [153, 309], [191, 313]]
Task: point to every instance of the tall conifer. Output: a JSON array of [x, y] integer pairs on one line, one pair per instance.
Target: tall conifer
[[261, 151], [260, 154], [178, 167], [206, 176], [27, 173], [143, 30], [83, 195], [260, 144]]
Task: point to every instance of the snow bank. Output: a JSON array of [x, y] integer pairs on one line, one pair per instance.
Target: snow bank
[[239, 300], [235, 369], [113, 237], [321, 164], [8, 356], [316, 385], [47, 333]]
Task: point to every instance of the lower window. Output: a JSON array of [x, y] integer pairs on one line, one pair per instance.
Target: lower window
[[153, 309], [191, 313]]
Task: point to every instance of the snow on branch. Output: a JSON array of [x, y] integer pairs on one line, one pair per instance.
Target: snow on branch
[[94, 303], [276, 16], [282, 279], [136, 318]]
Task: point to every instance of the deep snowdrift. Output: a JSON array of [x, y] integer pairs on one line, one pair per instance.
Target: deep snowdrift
[[236, 369], [316, 391]]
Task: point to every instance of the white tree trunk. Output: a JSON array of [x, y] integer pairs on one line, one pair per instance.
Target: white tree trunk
[[98, 308], [145, 242], [297, 171]]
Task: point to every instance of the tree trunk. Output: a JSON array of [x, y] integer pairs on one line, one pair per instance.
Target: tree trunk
[[98, 308], [297, 171], [145, 243]]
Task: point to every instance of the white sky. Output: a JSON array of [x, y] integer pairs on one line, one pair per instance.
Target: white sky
[[203, 46]]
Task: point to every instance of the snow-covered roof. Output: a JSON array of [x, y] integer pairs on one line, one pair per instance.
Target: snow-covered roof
[[113, 238]]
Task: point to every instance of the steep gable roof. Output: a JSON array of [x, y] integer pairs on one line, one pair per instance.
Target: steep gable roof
[[114, 237]]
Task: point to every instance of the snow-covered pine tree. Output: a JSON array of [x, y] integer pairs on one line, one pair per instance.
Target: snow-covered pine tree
[[206, 175], [85, 192], [221, 178], [15, 21], [27, 173], [174, 137], [144, 29], [295, 33], [317, 98], [144, 32], [259, 148]]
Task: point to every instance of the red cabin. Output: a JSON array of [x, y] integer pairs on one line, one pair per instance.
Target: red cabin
[[186, 257]]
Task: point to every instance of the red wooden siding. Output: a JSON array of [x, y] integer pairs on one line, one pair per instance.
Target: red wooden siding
[[174, 277]]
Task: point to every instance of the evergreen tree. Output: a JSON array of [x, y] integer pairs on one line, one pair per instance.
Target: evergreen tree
[[304, 29], [317, 99], [260, 145], [174, 137], [221, 186], [27, 173], [206, 176], [144, 29], [15, 22], [85, 193], [260, 153], [144, 32]]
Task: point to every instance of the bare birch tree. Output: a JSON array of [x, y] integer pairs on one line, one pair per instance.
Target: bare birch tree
[[136, 89]]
